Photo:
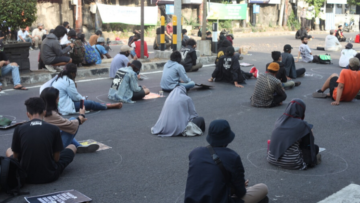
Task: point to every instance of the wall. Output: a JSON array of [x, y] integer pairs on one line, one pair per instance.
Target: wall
[[269, 15]]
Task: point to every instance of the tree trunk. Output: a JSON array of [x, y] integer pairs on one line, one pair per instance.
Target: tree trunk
[[203, 37]]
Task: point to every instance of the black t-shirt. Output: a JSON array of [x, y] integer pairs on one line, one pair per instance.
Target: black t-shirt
[[228, 70], [36, 142]]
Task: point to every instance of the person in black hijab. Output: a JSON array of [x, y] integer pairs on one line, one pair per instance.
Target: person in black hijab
[[292, 142], [222, 45]]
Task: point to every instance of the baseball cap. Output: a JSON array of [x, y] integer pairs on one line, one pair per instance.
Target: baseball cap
[[100, 39], [125, 48], [354, 62], [274, 67], [287, 47]]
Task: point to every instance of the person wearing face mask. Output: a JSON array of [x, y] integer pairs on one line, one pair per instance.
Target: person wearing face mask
[[24, 36], [189, 56], [64, 40], [38, 34], [125, 87], [305, 52], [120, 60]]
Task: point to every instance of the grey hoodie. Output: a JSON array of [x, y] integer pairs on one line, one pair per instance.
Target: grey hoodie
[[172, 74], [50, 48]]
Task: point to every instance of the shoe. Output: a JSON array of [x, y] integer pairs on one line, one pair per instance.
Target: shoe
[[59, 68], [255, 71], [87, 148], [50, 68], [297, 83], [319, 94]]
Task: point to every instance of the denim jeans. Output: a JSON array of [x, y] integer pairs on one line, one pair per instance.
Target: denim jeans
[[14, 72], [132, 52], [68, 138], [90, 105], [188, 85]]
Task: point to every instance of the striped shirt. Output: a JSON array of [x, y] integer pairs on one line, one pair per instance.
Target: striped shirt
[[291, 159]]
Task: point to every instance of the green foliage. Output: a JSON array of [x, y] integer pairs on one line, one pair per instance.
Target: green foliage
[[17, 13], [293, 21], [193, 23], [223, 24], [270, 24], [317, 4], [354, 2]]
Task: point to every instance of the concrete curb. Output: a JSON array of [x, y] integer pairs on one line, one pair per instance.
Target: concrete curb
[[97, 71]]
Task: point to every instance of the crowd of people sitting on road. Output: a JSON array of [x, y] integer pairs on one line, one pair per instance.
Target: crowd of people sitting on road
[[46, 144]]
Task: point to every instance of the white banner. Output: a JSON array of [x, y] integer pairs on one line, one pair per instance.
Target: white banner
[[264, 1], [127, 15], [337, 1]]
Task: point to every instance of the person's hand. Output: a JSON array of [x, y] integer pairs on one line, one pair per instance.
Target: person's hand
[[72, 45], [335, 103], [288, 78], [211, 80], [297, 61], [82, 119], [82, 111], [246, 183], [2, 63], [237, 85]]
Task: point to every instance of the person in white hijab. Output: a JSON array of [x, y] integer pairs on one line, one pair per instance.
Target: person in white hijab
[[178, 116]]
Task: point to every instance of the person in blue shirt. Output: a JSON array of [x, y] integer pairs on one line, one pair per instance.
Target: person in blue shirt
[[125, 87], [24, 36], [100, 50]]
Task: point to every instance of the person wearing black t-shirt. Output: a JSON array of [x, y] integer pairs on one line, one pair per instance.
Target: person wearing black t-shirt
[[38, 146], [6, 67], [281, 75]]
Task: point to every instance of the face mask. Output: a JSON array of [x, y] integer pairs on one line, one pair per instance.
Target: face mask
[[304, 42], [40, 29]]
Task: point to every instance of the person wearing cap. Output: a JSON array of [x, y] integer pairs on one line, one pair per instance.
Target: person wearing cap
[[216, 173], [346, 55], [343, 88], [281, 74], [289, 64], [125, 87], [332, 43], [189, 56], [178, 116], [120, 60], [100, 50], [305, 52], [339, 34], [37, 35], [292, 141], [228, 70], [93, 38], [174, 74], [269, 91]]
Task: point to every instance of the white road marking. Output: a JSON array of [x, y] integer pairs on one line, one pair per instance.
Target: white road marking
[[350, 193]]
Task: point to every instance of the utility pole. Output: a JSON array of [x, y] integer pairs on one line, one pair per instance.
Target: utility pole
[[142, 29], [177, 13], [78, 17], [203, 30]]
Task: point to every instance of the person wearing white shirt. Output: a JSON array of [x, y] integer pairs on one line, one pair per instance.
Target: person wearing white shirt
[[346, 55], [37, 34], [332, 43], [24, 36], [65, 40]]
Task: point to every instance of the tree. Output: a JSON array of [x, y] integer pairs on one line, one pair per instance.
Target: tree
[[318, 4], [16, 14], [354, 2]]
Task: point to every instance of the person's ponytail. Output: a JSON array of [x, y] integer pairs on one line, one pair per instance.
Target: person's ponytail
[[69, 68]]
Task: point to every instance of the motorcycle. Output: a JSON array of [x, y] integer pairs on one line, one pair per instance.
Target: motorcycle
[[349, 26]]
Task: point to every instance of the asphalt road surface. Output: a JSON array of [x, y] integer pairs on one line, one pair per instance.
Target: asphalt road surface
[[141, 167]]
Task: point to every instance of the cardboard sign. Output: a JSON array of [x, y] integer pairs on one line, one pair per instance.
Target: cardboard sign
[[68, 196], [12, 125], [152, 96]]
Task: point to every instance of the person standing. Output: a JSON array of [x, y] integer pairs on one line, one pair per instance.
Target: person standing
[[38, 34], [308, 17], [216, 173], [322, 17], [303, 17], [313, 18]]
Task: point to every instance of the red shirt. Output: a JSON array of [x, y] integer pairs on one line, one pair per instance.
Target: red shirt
[[138, 49], [169, 28]]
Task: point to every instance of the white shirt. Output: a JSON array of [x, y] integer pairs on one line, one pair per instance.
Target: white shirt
[[22, 34], [346, 55], [37, 32], [332, 43], [305, 53], [64, 40]]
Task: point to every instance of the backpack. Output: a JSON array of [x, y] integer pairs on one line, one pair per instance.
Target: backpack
[[90, 54], [12, 177], [78, 52], [325, 59]]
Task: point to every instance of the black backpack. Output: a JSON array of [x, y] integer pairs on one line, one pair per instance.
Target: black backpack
[[12, 177]]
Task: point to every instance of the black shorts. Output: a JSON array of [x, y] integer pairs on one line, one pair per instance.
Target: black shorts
[[138, 95], [60, 59], [333, 85], [66, 157]]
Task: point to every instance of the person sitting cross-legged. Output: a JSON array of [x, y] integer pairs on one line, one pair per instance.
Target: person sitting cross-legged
[[292, 141], [174, 74], [269, 91], [345, 87], [216, 173], [68, 127], [38, 147], [332, 43], [228, 70], [125, 87], [178, 116], [189, 57], [69, 98]]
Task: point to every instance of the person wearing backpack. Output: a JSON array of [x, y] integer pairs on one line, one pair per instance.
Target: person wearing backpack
[[100, 50], [216, 173], [189, 56], [77, 54], [38, 147], [90, 56]]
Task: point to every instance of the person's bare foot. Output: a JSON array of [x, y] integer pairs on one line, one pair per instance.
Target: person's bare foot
[[114, 106]]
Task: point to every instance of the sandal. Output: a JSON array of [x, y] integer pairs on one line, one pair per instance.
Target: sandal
[[20, 88]]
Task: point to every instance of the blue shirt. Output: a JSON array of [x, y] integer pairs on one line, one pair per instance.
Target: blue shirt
[[22, 34], [99, 48]]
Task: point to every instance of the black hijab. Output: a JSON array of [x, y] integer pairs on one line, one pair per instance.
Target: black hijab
[[290, 128]]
